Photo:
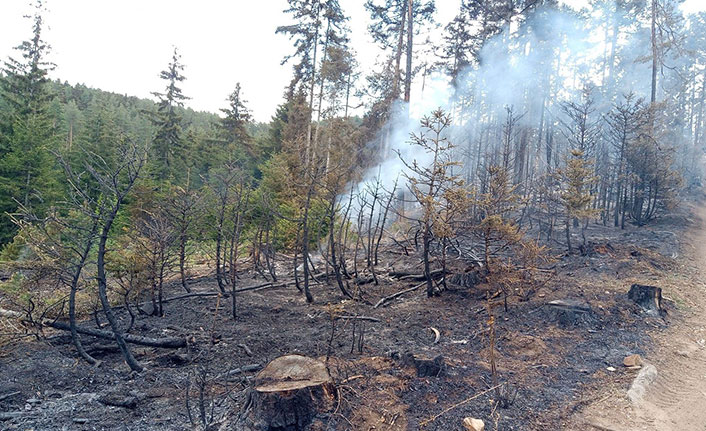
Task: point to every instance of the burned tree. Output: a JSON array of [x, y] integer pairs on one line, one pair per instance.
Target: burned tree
[[184, 207], [114, 182], [577, 179], [433, 186], [155, 237]]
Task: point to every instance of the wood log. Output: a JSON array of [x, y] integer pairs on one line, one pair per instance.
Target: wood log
[[116, 400], [241, 370], [289, 394], [4, 416], [395, 295], [368, 318], [166, 342], [406, 275]]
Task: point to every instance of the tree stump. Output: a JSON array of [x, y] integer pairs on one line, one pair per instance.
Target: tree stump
[[425, 367], [288, 395], [647, 297], [468, 279], [569, 312]]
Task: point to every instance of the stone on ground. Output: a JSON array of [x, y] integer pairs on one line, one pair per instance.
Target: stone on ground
[[472, 424]]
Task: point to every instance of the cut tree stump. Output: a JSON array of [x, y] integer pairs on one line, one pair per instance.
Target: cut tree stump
[[468, 279], [569, 312], [425, 367], [289, 394], [647, 297]]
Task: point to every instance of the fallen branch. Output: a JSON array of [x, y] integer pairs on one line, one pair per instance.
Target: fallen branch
[[395, 295], [246, 348], [243, 369], [209, 294], [369, 319], [600, 427], [10, 314], [4, 416], [261, 286], [459, 404], [166, 342], [351, 378], [404, 275], [9, 395]]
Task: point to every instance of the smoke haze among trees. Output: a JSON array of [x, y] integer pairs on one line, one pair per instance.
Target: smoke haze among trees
[[496, 139]]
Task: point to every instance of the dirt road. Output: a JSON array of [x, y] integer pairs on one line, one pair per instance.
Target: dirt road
[[676, 401]]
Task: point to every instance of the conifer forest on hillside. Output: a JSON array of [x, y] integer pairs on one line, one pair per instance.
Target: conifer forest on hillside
[[497, 224]]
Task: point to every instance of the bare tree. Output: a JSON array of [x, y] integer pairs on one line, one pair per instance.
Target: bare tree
[[184, 208], [114, 183], [429, 184]]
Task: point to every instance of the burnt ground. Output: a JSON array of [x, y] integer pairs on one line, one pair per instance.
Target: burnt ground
[[554, 364]]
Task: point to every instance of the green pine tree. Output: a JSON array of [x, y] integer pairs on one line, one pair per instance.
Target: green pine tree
[[28, 172], [167, 143]]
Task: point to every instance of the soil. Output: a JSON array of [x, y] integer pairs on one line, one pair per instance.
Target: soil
[[676, 401], [560, 373]]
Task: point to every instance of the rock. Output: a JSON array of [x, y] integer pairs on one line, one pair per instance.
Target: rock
[[472, 424], [633, 361], [611, 369], [34, 401], [639, 386], [116, 400]]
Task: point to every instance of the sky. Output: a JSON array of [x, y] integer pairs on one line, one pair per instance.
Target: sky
[[121, 46]]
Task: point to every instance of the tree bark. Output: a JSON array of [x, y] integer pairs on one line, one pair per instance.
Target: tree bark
[[102, 290], [167, 342], [408, 75]]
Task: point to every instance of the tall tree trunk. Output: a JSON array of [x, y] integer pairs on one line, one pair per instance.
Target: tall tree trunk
[[321, 93], [408, 75], [308, 149], [398, 54], [653, 94]]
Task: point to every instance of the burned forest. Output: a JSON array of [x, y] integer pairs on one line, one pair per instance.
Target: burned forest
[[447, 215]]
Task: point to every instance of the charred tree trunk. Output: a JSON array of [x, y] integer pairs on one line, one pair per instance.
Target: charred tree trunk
[[103, 287]]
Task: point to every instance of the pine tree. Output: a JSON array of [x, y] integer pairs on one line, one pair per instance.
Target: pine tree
[[319, 25], [233, 126], [577, 179], [460, 47], [393, 30], [439, 193], [167, 143], [28, 174]]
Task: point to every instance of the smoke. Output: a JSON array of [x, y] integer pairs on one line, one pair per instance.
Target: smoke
[[530, 66]]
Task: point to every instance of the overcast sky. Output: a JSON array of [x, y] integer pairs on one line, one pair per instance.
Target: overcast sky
[[122, 45]]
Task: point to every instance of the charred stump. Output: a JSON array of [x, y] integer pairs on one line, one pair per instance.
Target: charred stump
[[649, 298], [469, 279], [569, 312], [425, 367], [289, 394]]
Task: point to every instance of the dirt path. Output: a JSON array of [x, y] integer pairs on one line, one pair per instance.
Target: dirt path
[[676, 401]]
